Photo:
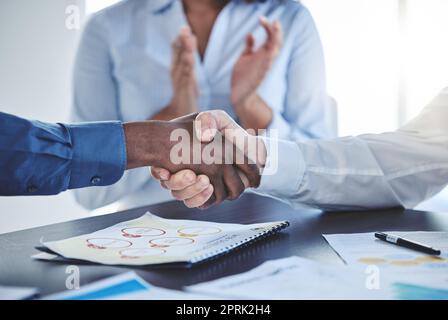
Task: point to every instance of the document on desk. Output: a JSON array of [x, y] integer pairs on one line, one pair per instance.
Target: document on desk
[[401, 264], [294, 278], [127, 286], [153, 240]]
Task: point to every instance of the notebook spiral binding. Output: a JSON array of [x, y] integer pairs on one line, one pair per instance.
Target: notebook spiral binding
[[241, 244]]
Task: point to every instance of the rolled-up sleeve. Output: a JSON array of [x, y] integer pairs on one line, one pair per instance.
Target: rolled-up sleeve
[[38, 158]]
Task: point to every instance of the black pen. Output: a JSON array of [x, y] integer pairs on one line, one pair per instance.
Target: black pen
[[406, 243]]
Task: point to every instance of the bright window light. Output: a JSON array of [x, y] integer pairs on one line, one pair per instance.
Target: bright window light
[[425, 52], [361, 51], [385, 59]]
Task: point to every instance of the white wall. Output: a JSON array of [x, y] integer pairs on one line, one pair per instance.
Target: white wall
[[36, 50]]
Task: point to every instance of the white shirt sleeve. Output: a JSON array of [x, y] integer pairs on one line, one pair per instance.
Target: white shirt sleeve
[[401, 168]]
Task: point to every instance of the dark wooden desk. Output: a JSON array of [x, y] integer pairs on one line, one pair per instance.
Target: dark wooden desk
[[302, 238]]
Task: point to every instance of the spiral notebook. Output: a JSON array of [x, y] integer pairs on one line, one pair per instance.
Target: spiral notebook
[[151, 240]]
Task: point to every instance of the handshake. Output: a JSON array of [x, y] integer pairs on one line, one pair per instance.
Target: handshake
[[203, 158]]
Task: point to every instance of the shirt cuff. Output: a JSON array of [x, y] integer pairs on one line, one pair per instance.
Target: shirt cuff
[[99, 153], [284, 169]]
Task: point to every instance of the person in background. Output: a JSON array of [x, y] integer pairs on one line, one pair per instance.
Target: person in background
[[393, 169], [161, 59]]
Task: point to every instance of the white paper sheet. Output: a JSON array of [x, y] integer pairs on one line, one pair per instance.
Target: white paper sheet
[[127, 286], [294, 278], [402, 264], [154, 240]]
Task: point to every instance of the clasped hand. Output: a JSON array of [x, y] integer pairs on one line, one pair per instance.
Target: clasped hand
[[204, 159], [196, 189]]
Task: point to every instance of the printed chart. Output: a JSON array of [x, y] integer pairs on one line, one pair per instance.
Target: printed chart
[[154, 240]]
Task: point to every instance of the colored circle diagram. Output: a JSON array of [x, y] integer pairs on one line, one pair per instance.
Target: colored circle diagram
[[198, 231], [170, 242], [138, 232], [107, 243]]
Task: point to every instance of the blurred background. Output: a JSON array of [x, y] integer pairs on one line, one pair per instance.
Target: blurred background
[[385, 60]]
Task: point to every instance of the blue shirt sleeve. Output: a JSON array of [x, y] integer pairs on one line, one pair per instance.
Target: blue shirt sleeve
[[38, 158]]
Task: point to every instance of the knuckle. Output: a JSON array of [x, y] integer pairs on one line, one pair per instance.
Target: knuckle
[[197, 188], [178, 182]]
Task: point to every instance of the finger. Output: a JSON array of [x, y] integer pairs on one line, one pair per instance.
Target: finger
[[189, 42], [274, 43], [200, 185], [160, 173], [178, 50], [176, 71], [274, 35], [206, 126], [209, 123], [187, 65], [178, 44], [250, 165], [181, 180], [279, 31], [267, 27], [243, 178], [187, 58], [163, 185], [210, 202], [220, 193], [201, 199], [233, 183], [250, 43], [252, 172]]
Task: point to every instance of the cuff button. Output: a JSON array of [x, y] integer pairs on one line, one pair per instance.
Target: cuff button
[[95, 180]]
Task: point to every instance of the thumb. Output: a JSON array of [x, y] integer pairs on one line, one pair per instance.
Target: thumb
[[209, 123]]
